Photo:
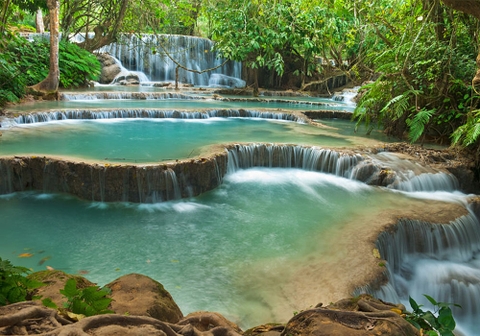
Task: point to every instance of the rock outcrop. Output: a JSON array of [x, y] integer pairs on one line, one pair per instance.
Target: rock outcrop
[[138, 294], [110, 68], [362, 316]]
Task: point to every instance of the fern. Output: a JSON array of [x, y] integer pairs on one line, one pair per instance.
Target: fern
[[88, 301], [468, 133], [417, 124]]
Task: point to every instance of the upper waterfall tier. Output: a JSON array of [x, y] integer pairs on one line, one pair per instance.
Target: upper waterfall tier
[[148, 54]]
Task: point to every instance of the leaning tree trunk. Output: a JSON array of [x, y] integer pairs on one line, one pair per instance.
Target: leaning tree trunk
[[49, 86]]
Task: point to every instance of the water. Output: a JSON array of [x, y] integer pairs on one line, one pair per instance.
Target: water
[[264, 244], [152, 140], [170, 104], [222, 251], [135, 53]]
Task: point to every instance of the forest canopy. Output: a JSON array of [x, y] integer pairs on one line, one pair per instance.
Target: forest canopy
[[414, 58]]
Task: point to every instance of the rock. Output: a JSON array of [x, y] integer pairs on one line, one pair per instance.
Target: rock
[[271, 329], [204, 321], [138, 294], [162, 84], [110, 68], [55, 280], [29, 318], [354, 317]]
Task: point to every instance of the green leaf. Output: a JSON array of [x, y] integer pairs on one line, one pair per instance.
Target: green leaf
[[413, 304], [445, 318], [47, 302], [432, 300], [70, 289]]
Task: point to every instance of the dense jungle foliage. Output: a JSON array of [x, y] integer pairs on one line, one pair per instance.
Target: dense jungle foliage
[[415, 58], [23, 63]]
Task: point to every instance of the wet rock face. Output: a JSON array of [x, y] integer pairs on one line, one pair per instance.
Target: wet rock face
[[113, 182]]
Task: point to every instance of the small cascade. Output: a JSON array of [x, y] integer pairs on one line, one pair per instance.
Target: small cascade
[[409, 176], [291, 156], [223, 81], [346, 96], [39, 117], [428, 182], [135, 53], [440, 260], [172, 188], [129, 95], [129, 77], [6, 174], [156, 185]]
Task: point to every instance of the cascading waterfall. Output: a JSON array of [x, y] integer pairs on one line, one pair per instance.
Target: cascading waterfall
[[347, 96], [129, 95], [135, 53], [290, 156], [40, 117], [428, 182], [440, 260]]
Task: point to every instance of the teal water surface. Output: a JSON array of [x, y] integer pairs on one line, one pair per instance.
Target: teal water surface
[[203, 250], [153, 140]]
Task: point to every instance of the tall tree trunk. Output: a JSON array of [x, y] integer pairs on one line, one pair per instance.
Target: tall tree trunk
[[39, 21], [3, 17], [49, 86]]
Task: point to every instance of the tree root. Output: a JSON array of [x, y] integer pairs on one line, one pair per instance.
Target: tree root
[[31, 318]]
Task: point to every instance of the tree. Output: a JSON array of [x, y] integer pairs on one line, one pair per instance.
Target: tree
[[49, 85], [425, 70], [6, 9], [103, 18]]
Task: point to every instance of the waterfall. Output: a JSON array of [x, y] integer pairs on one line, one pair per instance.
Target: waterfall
[[135, 53], [39, 117], [346, 96], [6, 186], [428, 182], [129, 95], [291, 156], [440, 260]]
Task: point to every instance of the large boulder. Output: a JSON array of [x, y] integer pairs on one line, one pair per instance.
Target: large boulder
[[110, 68], [137, 294]]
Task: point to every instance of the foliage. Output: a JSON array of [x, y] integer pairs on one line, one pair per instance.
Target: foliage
[[271, 35], [14, 285], [15, 10], [162, 16], [104, 18], [425, 66], [24, 63], [87, 301], [439, 322]]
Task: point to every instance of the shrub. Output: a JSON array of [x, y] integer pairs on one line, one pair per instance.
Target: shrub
[[14, 285]]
